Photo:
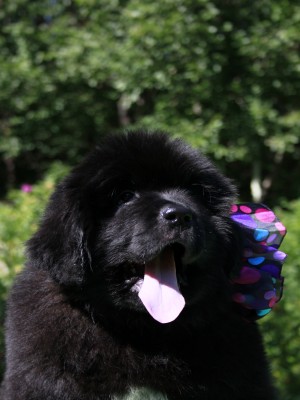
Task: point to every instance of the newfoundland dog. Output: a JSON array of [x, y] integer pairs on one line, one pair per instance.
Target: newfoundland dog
[[126, 290]]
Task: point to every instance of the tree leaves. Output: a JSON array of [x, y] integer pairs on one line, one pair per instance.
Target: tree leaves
[[225, 75]]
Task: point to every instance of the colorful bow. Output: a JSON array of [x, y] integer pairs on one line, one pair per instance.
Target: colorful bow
[[259, 284]]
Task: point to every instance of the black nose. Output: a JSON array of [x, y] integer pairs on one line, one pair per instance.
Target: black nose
[[177, 215]]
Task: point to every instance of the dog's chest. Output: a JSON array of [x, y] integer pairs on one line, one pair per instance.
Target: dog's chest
[[141, 393]]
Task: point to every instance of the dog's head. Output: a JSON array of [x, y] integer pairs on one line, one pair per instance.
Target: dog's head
[[145, 220]]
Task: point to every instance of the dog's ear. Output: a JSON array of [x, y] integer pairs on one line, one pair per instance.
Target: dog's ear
[[60, 245]]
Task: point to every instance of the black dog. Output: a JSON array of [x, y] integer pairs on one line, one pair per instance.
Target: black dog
[[126, 285]]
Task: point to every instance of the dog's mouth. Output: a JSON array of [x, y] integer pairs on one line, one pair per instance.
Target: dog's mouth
[[137, 270], [157, 285]]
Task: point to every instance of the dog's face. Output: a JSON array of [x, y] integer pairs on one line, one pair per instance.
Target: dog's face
[[144, 218]]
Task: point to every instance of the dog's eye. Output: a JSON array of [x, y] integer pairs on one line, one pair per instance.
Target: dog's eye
[[125, 197]]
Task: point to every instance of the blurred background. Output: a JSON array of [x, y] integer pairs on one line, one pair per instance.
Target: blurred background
[[222, 74]]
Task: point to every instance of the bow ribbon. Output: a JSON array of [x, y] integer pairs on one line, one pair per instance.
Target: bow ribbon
[[258, 286]]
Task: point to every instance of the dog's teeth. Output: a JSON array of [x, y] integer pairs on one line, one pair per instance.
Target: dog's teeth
[[137, 287]]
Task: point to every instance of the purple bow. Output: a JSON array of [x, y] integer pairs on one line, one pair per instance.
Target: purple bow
[[259, 284]]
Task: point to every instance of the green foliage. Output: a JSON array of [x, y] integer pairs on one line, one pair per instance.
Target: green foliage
[[282, 328], [19, 216], [222, 74]]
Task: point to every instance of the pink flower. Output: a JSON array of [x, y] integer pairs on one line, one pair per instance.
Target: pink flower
[[26, 188]]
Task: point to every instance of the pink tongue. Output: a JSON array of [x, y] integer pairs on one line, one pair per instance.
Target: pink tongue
[[160, 292]]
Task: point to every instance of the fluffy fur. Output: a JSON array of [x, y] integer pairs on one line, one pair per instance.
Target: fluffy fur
[[76, 328]]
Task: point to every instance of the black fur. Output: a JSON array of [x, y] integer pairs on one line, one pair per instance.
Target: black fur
[[76, 329]]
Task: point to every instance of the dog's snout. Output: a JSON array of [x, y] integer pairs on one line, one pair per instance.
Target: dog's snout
[[177, 215]]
